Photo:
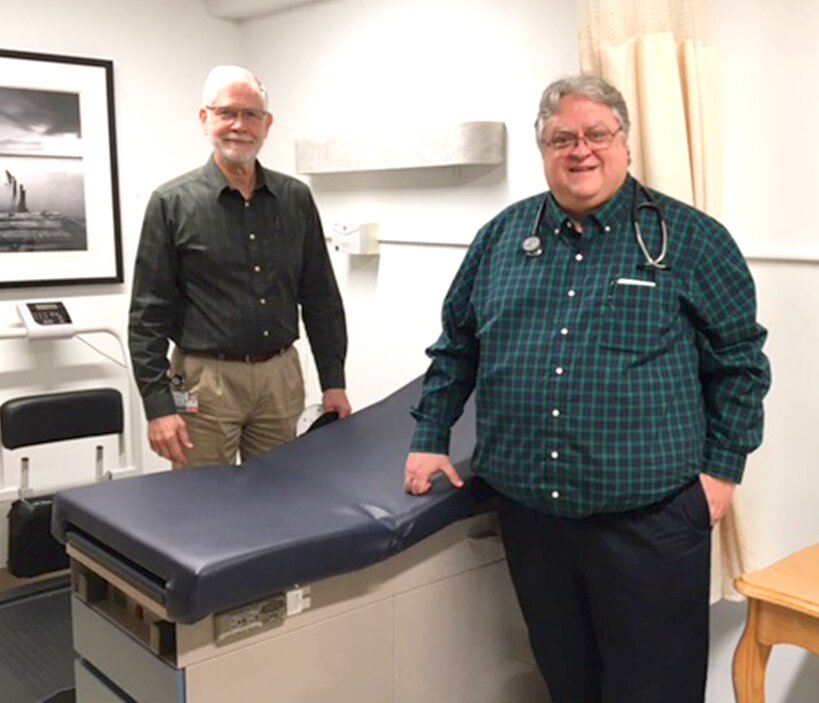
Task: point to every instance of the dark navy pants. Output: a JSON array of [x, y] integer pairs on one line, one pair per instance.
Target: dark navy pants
[[616, 605]]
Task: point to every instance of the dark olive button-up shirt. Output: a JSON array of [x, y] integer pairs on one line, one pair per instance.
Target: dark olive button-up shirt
[[218, 274], [600, 385]]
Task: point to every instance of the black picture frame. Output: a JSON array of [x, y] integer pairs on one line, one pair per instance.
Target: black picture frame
[[59, 193]]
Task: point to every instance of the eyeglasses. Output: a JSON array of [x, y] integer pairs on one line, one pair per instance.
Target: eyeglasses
[[231, 114], [595, 139]]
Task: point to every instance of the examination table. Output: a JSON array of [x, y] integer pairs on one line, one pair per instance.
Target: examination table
[[305, 575]]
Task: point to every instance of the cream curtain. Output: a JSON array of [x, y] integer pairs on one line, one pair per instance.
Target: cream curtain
[[654, 52]]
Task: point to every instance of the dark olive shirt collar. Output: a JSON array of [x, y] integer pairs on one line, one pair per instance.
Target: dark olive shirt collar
[[217, 180]]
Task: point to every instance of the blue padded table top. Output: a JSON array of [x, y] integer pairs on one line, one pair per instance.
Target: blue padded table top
[[208, 539]]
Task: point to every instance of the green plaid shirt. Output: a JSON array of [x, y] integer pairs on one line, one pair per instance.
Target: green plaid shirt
[[600, 385]]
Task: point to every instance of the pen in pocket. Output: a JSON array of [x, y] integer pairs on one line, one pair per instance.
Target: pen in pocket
[[635, 282]]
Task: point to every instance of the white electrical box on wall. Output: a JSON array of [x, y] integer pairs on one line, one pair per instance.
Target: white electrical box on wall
[[356, 239]]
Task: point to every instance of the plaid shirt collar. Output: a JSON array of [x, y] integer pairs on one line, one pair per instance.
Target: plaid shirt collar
[[607, 216]]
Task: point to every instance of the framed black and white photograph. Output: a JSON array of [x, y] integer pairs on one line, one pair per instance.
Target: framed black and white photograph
[[59, 202]]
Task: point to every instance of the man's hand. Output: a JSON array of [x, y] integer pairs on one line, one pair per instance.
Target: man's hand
[[335, 400], [719, 494], [169, 438], [420, 469]]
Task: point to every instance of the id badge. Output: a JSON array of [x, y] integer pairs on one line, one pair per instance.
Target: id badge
[[186, 401]]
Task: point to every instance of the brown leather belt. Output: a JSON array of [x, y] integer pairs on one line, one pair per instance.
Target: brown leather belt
[[245, 358]]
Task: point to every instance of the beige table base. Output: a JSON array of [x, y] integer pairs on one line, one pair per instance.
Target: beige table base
[[438, 623]]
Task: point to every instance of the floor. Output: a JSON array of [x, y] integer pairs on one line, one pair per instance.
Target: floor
[[7, 581], [36, 656]]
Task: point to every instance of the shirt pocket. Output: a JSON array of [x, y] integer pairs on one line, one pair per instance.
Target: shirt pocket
[[639, 318]]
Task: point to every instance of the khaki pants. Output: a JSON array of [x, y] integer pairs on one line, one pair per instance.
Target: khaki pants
[[242, 408]]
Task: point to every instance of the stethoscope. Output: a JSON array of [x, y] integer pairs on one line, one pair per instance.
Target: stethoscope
[[533, 247]]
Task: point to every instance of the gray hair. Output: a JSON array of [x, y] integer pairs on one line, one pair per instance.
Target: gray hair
[[222, 76], [591, 87]]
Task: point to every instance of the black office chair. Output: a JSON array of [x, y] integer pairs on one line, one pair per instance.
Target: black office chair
[[42, 419]]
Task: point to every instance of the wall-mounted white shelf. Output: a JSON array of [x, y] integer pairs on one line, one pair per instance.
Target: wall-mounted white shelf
[[460, 144]]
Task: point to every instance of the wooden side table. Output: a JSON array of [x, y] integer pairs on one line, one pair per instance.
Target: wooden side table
[[783, 608]]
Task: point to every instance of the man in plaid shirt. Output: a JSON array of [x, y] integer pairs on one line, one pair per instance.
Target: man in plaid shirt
[[619, 388]]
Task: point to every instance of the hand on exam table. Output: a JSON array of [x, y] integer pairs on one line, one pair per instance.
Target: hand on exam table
[[169, 438], [422, 467]]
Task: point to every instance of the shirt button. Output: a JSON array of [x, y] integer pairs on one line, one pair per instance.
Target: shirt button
[[257, 268], [555, 455], [266, 333], [564, 331], [263, 301], [555, 494], [247, 204], [578, 257], [607, 229], [571, 293], [557, 230], [559, 370], [555, 413], [252, 236]]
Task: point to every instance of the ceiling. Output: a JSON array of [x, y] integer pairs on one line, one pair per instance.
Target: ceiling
[[248, 9]]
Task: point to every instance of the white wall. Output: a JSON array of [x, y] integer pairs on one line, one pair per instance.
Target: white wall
[[771, 56]]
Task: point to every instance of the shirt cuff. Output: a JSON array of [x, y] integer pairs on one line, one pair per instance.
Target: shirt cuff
[[331, 378], [158, 405], [431, 438], [724, 463]]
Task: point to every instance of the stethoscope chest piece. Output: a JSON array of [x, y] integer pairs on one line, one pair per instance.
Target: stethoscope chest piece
[[532, 246]]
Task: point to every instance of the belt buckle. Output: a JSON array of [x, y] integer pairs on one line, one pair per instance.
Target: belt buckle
[[248, 358]]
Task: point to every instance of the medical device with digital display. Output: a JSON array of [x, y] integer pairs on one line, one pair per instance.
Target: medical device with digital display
[[46, 319]]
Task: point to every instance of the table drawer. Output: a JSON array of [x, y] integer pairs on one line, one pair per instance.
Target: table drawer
[[122, 659]]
